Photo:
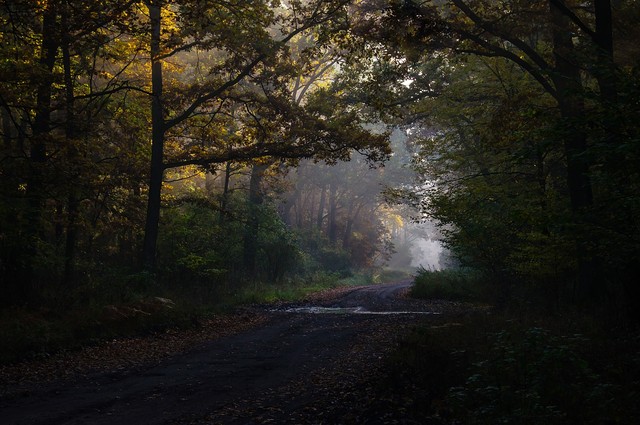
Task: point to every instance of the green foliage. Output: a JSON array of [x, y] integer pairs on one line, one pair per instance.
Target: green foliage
[[499, 188], [279, 251], [494, 184], [389, 275], [461, 285], [195, 249], [335, 259], [492, 369], [512, 141], [319, 255], [533, 377]]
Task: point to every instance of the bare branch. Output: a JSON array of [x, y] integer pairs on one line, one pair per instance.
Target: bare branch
[[112, 91], [492, 29], [562, 7], [248, 68], [495, 51]]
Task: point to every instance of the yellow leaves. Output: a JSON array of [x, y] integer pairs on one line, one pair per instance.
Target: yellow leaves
[[124, 46], [392, 217], [170, 29], [180, 181], [398, 220], [166, 187]]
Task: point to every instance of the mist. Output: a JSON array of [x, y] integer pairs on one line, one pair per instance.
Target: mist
[[426, 253]]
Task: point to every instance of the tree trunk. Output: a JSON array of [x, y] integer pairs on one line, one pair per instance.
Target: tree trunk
[[346, 237], [38, 149], [224, 200], [606, 74], [253, 224], [286, 207], [346, 241], [332, 225], [71, 133], [300, 209], [7, 128], [310, 209], [541, 179], [157, 144], [568, 83], [605, 68], [320, 217]]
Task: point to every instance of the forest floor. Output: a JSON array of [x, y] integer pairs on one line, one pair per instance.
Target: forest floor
[[317, 361]]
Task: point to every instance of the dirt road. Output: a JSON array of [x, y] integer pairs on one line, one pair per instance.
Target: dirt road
[[305, 365]]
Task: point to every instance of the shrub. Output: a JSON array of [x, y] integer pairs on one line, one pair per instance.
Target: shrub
[[461, 285], [534, 377]]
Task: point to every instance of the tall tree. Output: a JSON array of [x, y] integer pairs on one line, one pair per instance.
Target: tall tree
[[251, 41], [51, 93]]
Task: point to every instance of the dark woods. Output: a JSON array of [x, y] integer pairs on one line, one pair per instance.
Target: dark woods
[[189, 143], [148, 143], [526, 117]]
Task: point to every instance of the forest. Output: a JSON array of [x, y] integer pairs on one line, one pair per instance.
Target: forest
[[206, 154]]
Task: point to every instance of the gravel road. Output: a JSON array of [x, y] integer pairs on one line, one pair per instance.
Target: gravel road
[[302, 365]]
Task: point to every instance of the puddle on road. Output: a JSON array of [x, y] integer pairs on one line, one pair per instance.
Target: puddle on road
[[345, 310]]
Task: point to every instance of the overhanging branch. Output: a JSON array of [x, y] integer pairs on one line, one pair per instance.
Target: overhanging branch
[[495, 51], [249, 68]]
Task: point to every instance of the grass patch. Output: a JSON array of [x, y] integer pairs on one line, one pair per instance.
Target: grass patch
[[295, 290], [390, 275]]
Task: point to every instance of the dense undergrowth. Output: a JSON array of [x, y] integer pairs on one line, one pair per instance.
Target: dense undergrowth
[[453, 284], [514, 366]]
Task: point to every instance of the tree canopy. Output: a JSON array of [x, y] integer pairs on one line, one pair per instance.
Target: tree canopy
[[526, 114], [127, 119]]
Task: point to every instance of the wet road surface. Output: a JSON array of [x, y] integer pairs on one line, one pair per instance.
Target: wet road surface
[[273, 373]]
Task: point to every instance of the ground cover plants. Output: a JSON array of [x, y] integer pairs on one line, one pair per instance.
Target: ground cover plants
[[517, 366]]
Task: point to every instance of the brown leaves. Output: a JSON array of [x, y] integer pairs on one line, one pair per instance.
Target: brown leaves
[[125, 353]]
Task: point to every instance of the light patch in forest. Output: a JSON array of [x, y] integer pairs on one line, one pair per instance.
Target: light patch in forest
[[426, 253]]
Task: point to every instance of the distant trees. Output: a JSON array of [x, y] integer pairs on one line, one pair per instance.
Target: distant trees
[[341, 209]]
